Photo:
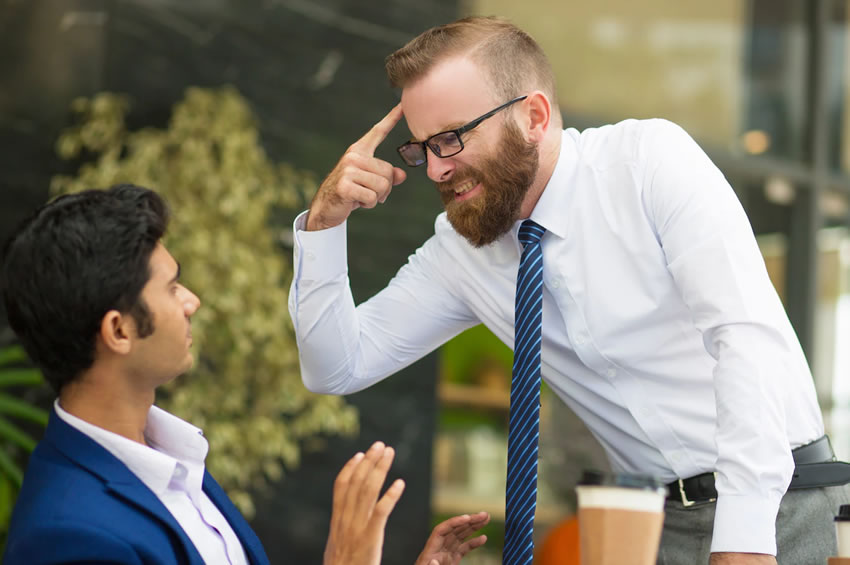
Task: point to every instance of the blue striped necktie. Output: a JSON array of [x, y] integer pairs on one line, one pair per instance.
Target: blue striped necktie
[[523, 430]]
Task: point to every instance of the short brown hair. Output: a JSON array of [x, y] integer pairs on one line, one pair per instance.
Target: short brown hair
[[510, 58]]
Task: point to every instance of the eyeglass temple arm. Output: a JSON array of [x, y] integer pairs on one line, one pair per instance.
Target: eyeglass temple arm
[[474, 123]]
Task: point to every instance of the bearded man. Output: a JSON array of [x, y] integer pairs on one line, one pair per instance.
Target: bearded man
[[658, 323]]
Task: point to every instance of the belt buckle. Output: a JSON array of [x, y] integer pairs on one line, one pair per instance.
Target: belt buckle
[[686, 502]]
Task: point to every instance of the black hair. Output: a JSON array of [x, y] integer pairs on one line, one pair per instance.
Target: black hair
[[75, 259]]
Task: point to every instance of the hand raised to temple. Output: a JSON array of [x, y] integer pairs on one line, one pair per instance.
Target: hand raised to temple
[[358, 180]]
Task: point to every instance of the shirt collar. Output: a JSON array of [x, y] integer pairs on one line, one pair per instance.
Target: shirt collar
[[549, 210], [170, 441]]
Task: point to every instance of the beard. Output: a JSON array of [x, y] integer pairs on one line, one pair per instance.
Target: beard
[[505, 179]]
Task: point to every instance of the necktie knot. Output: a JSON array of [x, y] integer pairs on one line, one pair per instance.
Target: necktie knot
[[530, 232]]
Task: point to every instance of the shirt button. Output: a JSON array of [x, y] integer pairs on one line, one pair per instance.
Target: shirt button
[[310, 255], [611, 372], [581, 339], [556, 283], [676, 457]]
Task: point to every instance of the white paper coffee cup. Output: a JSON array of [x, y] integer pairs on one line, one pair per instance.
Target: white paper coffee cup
[[620, 518]]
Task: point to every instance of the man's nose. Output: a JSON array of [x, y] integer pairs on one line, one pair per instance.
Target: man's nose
[[439, 170], [191, 303]]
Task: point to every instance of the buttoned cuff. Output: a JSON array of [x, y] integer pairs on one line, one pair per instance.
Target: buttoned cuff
[[319, 255], [745, 524]]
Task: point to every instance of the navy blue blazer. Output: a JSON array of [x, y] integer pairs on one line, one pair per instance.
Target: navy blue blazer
[[80, 504]]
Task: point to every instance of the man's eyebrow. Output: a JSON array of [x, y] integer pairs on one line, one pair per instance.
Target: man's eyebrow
[[177, 275]]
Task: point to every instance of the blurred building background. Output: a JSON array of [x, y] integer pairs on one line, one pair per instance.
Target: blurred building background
[[761, 84]]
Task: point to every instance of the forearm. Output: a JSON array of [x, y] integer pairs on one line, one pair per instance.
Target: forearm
[[344, 348], [754, 463], [321, 307]]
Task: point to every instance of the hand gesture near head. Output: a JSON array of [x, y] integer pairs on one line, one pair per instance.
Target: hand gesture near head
[[447, 544], [359, 179], [359, 517]]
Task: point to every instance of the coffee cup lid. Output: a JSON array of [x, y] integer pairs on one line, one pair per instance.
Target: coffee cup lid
[[600, 478], [843, 513]]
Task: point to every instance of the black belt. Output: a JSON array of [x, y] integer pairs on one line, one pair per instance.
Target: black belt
[[814, 466]]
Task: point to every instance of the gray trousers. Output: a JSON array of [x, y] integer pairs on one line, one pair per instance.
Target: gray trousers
[[805, 532]]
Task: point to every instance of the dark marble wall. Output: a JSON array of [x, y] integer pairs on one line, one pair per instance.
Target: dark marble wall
[[313, 71]]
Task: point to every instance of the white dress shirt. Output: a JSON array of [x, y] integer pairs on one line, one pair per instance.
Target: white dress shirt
[[661, 329], [172, 466]]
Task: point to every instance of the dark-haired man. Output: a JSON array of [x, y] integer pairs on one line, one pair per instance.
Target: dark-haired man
[[97, 302], [660, 327]]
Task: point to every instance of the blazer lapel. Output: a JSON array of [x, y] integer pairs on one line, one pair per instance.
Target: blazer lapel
[[250, 542], [90, 455]]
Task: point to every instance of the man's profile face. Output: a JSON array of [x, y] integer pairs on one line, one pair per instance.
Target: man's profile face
[[483, 186], [165, 353]]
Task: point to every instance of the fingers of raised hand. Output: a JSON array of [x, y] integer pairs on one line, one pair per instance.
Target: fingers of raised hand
[[471, 544], [476, 522], [462, 526], [341, 487], [480, 519], [374, 480], [387, 503], [364, 180], [359, 483], [399, 176], [450, 525], [375, 136]]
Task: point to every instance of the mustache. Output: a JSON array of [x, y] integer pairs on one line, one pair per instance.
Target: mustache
[[457, 179]]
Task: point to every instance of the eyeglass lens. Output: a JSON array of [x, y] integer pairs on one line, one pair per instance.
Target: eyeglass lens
[[444, 144]]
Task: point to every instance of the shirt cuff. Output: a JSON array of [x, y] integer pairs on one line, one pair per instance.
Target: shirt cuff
[[319, 255], [745, 524]]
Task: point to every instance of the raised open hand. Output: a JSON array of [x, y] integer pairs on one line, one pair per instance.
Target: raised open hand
[[359, 517], [359, 179], [448, 542]]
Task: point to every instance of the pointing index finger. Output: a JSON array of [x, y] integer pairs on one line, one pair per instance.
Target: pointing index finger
[[379, 131]]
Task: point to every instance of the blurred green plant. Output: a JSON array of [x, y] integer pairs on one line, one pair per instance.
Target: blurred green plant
[[16, 442], [245, 390], [473, 352]]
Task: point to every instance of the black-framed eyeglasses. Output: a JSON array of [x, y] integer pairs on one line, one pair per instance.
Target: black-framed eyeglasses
[[445, 143]]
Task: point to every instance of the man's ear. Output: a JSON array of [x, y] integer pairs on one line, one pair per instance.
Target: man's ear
[[116, 331], [538, 115]]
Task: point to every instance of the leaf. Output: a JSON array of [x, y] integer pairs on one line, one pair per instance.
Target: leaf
[[11, 406], [10, 469], [20, 377], [12, 354], [10, 433], [8, 493]]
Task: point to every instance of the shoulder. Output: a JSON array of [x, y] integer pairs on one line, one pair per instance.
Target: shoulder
[[630, 139], [64, 511], [55, 541]]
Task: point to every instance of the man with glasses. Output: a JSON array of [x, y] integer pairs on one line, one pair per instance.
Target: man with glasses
[[658, 323]]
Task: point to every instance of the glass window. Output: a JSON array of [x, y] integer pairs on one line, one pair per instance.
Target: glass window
[[617, 59]]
